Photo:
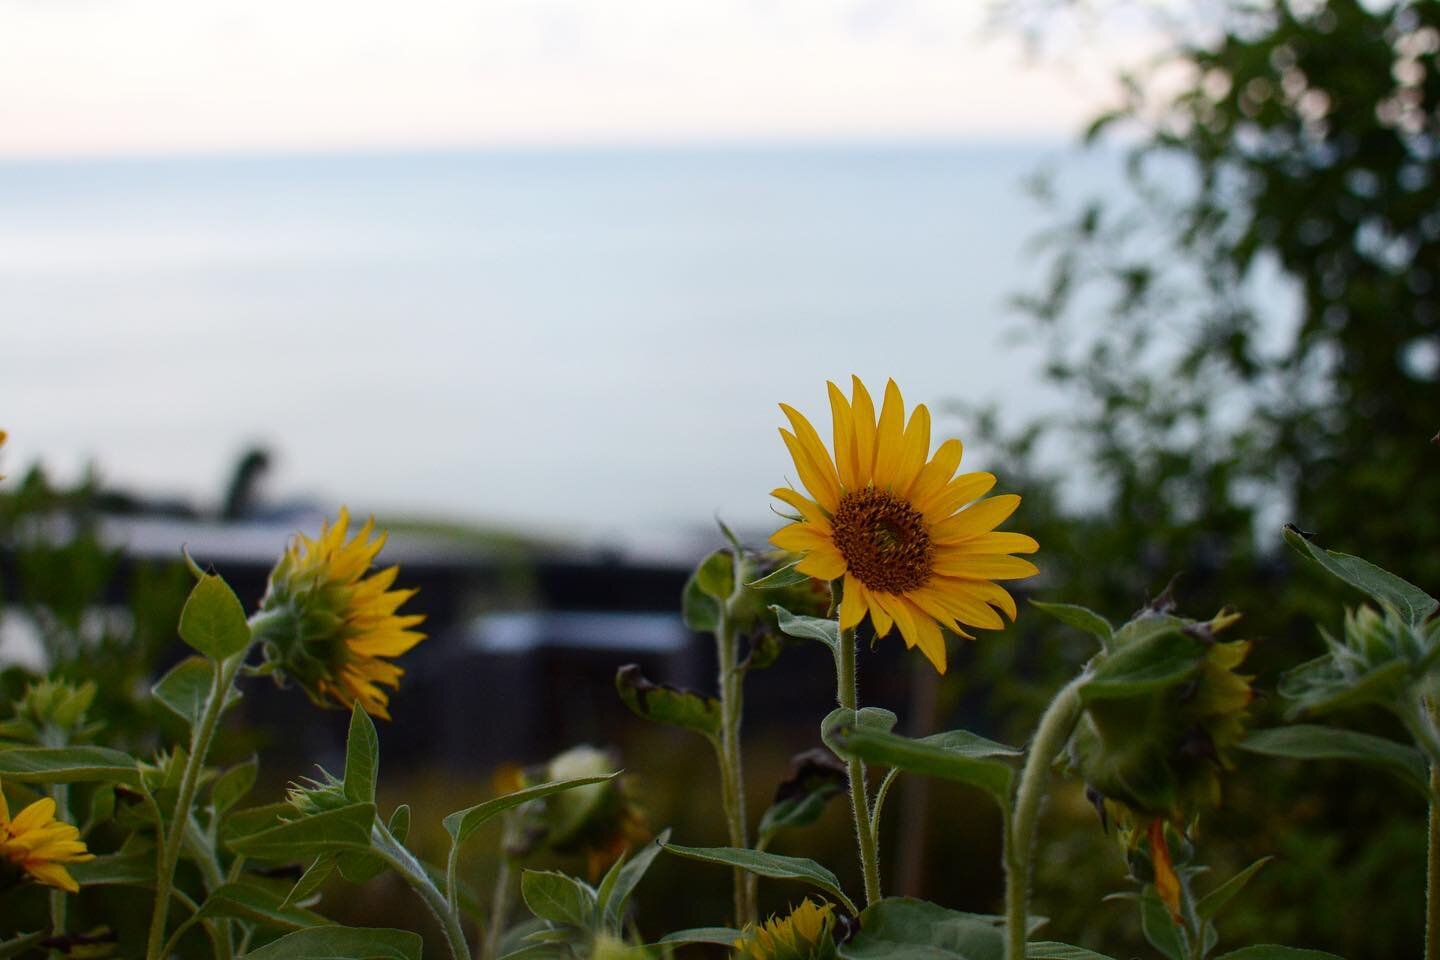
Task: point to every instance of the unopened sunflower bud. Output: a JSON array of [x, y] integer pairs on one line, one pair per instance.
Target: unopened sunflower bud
[[51, 713]]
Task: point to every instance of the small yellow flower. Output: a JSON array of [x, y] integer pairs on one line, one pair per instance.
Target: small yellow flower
[[915, 545], [41, 845], [803, 935], [332, 628]]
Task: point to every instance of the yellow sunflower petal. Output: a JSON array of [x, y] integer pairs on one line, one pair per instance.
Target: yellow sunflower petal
[[843, 428], [902, 613], [853, 603], [808, 508], [957, 493], [930, 641], [1000, 541], [936, 474], [810, 439], [53, 875], [801, 538], [818, 478], [823, 564], [984, 567], [862, 412], [915, 450], [975, 519], [34, 816], [889, 437]]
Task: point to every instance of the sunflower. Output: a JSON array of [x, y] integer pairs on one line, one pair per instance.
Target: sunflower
[[803, 935], [915, 545], [40, 845], [330, 627]]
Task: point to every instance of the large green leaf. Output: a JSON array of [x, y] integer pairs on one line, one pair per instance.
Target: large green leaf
[[1081, 618], [808, 628], [558, 898], [246, 902], [186, 687], [1214, 901], [769, 865], [1412, 604], [720, 936], [621, 880], [1321, 686], [68, 765], [462, 823], [931, 758], [342, 943], [213, 621], [716, 575], [904, 929], [1268, 951], [1159, 928], [660, 703], [1050, 950], [362, 757], [334, 831], [871, 718], [1312, 742], [232, 785], [1153, 661], [116, 869]]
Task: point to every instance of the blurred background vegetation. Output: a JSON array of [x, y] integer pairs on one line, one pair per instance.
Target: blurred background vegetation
[[1291, 141]]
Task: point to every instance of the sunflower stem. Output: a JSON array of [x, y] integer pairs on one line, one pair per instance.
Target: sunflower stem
[[499, 907], [727, 752], [847, 694], [403, 862], [1056, 725], [1421, 721], [201, 736]]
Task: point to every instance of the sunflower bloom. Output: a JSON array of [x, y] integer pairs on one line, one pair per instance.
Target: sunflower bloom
[[803, 935], [915, 545], [330, 627], [40, 845]]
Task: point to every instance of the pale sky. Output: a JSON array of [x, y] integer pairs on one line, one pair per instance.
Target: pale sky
[[87, 77]]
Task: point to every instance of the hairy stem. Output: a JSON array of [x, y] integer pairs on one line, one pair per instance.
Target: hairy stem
[[403, 862], [727, 751], [499, 907], [846, 694], [201, 736], [1056, 725]]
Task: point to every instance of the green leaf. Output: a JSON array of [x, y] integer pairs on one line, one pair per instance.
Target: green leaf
[[808, 628], [1162, 932], [768, 865], [1320, 686], [19, 946], [245, 902], [968, 744], [334, 831], [1268, 951], [186, 687], [213, 621], [660, 703], [1312, 742], [399, 825], [1050, 950], [1081, 618], [360, 867], [720, 936], [558, 898], [311, 880], [615, 894], [342, 943], [1143, 665], [462, 823], [815, 777], [116, 869], [232, 785], [1412, 604], [716, 575], [1214, 901], [779, 578], [362, 756], [700, 611], [900, 928], [925, 757], [68, 765], [872, 718]]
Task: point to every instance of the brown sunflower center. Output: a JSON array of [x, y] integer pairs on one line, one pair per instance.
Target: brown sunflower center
[[883, 540]]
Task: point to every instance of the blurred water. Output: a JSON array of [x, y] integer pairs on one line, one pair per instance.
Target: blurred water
[[569, 340]]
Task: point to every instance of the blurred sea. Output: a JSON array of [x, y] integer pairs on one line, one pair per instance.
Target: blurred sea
[[589, 342]]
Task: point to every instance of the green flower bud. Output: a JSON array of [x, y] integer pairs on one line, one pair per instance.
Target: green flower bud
[[51, 713], [317, 796]]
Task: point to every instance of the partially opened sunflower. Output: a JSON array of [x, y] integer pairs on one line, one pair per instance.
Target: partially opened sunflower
[[39, 845], [914, 544]]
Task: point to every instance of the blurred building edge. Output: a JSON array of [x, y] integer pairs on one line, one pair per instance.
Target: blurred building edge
[[524, 640]]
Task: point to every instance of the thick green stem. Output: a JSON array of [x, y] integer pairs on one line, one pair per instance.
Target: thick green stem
[[499, 907], [201, 736], [403, 862], [1056, 725], [732, 771], [847, 694]]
